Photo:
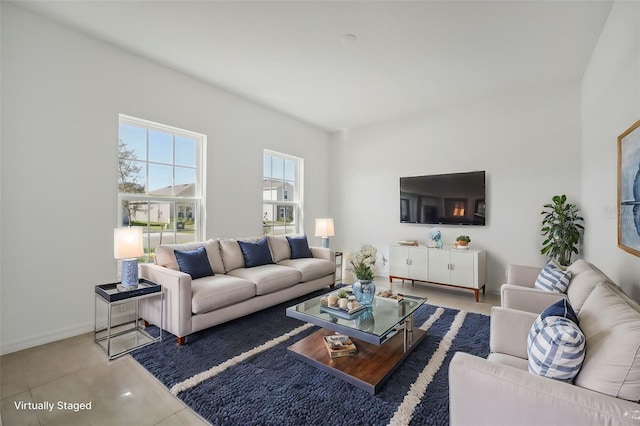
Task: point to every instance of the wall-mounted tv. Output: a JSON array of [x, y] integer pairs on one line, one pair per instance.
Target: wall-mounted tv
[[446, 199]]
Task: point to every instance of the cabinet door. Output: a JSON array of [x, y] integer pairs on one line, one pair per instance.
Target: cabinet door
[[419, 263], [398, 266], [439, 266], [462, 269]]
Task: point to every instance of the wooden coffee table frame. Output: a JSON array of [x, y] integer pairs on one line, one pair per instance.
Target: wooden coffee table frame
[[369, 367]]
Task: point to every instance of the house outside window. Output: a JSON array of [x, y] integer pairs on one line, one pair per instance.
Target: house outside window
[[160, 182], [281, 194]]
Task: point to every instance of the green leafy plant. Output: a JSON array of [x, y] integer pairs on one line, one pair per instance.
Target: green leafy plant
[[342, 294], [561, 227], [464, 238]]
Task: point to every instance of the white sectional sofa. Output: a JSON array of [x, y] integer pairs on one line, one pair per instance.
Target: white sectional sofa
[[234, 289], [500, 390]]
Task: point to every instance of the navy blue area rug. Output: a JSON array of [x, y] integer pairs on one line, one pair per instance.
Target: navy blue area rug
[[239, 373]]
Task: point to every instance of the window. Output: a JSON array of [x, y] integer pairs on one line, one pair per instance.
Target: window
[[281, 194], [160, 183]]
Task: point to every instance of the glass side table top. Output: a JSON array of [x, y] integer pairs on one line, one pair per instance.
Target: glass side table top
[[375, 324]]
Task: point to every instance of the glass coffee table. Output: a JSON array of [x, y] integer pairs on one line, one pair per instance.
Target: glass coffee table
[[384, 336]]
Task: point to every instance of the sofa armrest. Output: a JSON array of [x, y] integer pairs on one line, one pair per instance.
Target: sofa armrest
[[509, 331], [521, 275], [528, 299], [323, 253], [483, 392], [177, 306]]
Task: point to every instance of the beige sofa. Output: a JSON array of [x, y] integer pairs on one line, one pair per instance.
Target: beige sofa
[[500, 390], [234, 290]]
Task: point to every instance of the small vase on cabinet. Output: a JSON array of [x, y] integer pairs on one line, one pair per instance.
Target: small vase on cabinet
[[364, 290]]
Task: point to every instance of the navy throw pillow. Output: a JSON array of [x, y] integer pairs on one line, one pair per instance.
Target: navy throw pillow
[[194, 262], [255, 253], [299, 247], [562, 308]]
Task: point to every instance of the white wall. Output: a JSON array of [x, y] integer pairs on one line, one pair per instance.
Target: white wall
[[528, 143], [610, 104], [61, 96]]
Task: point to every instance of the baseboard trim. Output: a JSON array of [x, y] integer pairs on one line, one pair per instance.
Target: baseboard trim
[[43, 339]]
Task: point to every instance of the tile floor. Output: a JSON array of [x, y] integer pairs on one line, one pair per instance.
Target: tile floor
[[121, 392]]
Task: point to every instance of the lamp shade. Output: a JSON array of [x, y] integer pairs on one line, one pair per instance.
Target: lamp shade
[[324, 227], [127, 243]]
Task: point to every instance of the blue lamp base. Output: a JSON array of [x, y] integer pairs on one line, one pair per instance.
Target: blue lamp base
[[130, 273], [325, 242]]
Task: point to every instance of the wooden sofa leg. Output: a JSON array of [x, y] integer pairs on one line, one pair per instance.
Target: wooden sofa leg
[[181, 340]]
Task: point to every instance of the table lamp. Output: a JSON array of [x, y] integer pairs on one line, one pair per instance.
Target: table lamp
[[127, 246], [324, 229]]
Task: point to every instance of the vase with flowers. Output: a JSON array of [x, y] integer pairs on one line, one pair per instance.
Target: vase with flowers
[[363, 264]]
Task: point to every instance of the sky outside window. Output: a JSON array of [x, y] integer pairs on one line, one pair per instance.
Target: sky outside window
[[159, 158]]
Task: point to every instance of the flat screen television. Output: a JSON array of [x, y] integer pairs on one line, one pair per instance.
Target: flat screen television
[[446, 199]]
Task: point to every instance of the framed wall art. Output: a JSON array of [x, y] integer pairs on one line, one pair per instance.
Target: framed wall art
[[629, 190]]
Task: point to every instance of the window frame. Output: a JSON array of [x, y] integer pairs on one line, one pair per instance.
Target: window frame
[[198, 199], [297, 202]]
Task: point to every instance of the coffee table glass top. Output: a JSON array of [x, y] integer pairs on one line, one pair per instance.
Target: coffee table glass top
[[374, 325]]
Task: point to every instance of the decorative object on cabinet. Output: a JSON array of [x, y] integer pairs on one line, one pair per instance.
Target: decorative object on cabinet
[[462, 241], [325, 229], [561, 227], [629, 190], [436, 236], [127, 246]]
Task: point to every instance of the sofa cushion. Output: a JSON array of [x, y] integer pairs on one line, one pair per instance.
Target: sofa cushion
[[165, 256], [231, 254], [269, 278], [194, 262], [557, 350], [584, 278], [279, 246], [553, 278], [256, 253], [210, 293], [610, 321], [299, 247], [311, 268]]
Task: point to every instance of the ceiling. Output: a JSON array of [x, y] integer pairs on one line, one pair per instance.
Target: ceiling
[[409, 57]]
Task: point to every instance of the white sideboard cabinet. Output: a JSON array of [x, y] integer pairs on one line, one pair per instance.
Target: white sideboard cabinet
[[449, 266], [409, 261]]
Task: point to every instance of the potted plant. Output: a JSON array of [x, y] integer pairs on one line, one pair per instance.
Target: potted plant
[[463, 240], [561, 227], [343, 299]]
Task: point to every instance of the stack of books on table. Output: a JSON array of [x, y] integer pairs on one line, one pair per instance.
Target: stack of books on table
[[339, 345]]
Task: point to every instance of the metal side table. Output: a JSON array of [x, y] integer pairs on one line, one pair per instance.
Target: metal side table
[[118, 326]]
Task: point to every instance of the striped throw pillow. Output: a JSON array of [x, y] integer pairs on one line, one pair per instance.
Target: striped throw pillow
[[562, 308], [553, 278], [557, 350]]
